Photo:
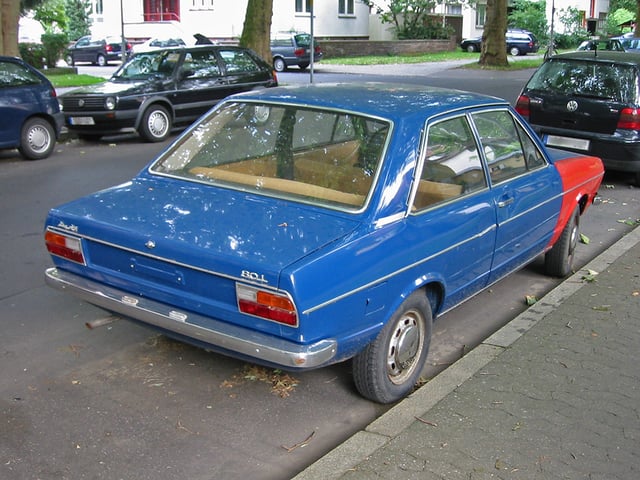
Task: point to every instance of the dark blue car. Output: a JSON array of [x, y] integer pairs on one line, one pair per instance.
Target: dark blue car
[[303, 226], [30, 117]]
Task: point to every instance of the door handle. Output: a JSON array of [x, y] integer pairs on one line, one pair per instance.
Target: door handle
[[504, 203]]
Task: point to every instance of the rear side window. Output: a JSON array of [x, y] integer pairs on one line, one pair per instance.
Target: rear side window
[[14, 75], [593, 79], [238, 61]]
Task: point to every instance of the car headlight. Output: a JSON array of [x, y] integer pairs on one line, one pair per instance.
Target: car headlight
[[110, 103]]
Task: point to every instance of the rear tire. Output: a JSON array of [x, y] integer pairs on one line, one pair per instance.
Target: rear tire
[[37, 139], [102, 61], [155, 125], [514, 51], [389, 367], [279, 65], [558, 261], [471, 48]]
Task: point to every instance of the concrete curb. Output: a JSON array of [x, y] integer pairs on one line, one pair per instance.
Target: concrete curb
[[382, 430]]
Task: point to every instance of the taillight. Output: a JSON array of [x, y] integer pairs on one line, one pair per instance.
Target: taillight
[[64, 246], [266, 304], [523, 106], [108, 48], [298, 52], [629, 119]]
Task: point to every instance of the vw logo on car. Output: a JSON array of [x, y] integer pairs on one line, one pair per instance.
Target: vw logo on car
[[572, 105]]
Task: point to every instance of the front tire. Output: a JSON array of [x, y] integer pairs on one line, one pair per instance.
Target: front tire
[[389, 367], [558, 261], [514, 51], [37, 139], [471, 48], [155, 125]]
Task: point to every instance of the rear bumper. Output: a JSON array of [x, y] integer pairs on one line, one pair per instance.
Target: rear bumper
[[222, 336]]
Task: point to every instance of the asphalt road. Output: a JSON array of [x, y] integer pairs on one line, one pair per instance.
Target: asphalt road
[[121, 402]]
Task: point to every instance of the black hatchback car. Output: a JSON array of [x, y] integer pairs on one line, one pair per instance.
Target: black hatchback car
[[98, 51], [155, 90], [588, 102], [519, 42]]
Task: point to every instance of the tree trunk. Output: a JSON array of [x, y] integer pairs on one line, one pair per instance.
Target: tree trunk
[[9, 17], [494, 52], [636, 28], [256, 31]]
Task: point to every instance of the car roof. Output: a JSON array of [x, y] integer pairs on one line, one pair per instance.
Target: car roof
[[631, 58], [384, 100]]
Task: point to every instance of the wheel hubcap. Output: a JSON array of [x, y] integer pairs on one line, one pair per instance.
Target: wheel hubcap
[[405, 346], [38, 139], [158, 124]]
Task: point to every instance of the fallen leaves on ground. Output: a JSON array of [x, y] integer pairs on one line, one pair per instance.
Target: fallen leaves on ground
[[282, 384]]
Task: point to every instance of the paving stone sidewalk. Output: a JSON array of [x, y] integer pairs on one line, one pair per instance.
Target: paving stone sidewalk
[[553, 395]]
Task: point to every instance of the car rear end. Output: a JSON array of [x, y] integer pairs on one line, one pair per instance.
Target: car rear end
[[588, 104]]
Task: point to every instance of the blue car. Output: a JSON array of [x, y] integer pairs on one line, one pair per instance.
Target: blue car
[[301, 226], [30, 117]]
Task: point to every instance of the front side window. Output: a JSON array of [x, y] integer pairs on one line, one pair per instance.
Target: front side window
[[508, 150], [310, 155], [452, 166]]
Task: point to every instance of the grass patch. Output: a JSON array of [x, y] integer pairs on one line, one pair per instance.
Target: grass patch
[[73, 80], [392, 59]]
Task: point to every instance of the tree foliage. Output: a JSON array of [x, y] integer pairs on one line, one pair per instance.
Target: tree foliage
[[77, 12], [529, 16], [52, 16], [411, 19], [256, 31]]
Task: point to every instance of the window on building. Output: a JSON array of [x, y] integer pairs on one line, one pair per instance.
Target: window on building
[[303, 6], [161, 10], [97, 7], [454, 9], [345, 7], [481, 15]]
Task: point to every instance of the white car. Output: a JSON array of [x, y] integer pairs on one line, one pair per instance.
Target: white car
[[156, 43]]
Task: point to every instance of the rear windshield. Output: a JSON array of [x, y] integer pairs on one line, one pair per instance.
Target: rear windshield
[[324, 157], [590, 79]]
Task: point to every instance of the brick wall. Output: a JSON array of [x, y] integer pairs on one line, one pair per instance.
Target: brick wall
[[355, 48]]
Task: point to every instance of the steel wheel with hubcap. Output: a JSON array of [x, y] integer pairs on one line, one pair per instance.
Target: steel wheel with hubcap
[[558, 261], [389, 367], [155, 125], [37, 139]]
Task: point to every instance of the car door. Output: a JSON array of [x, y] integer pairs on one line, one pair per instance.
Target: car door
[[201, 84], [17, 100], [82, 50], [452, 226], [524, 188]]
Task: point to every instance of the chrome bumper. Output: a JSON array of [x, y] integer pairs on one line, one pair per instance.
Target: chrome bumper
[[229, 337]]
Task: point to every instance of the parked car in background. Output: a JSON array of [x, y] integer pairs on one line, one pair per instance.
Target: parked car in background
[[30, 118], [611, 44], [519, 42], [629, 43], [303, 226], [291, 49], [158, 43], [588, 103], [155, 90], [98, 51]]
